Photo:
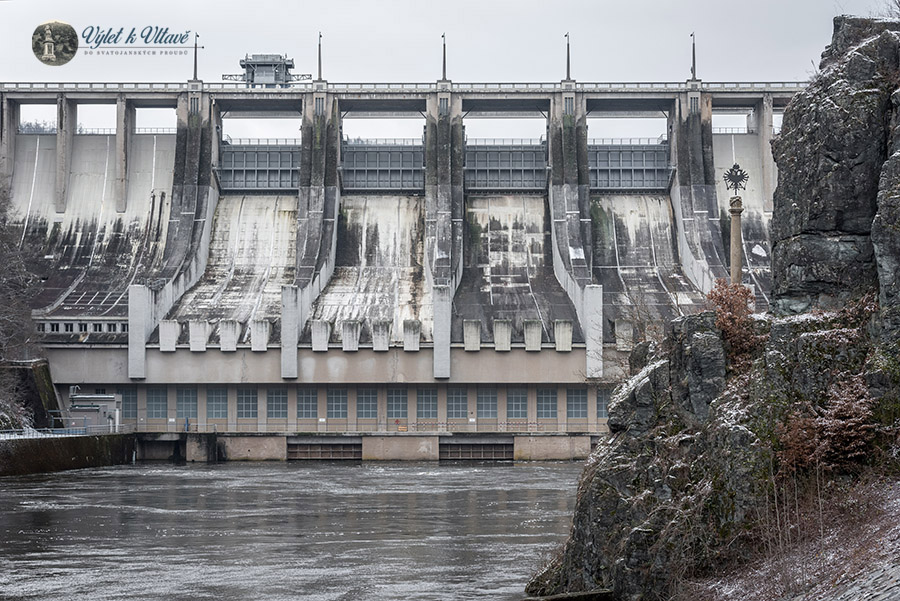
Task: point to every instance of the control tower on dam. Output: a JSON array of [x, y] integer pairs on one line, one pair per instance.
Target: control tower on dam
[[443, 296]]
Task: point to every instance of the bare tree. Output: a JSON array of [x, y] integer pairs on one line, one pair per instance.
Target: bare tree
[[17, 285], [891, 9]]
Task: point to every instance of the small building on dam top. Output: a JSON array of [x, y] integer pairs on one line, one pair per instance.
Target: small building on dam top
[[440, 295]]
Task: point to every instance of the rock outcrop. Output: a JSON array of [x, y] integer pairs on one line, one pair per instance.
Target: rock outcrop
[[680, 482], [835, 139]]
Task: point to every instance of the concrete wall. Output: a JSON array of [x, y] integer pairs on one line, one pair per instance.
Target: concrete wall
[[551, 448], [37, 455], [71, 365], [400, 448], [253, 448]]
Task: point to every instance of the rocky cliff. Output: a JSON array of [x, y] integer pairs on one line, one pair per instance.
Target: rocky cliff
[[837, 187], [700, 434]]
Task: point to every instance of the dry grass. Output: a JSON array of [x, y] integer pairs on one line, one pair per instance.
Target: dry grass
[[855, 528]]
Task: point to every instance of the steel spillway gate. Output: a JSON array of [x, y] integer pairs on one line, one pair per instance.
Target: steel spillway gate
[[629, 167], [505, 164], [259, 166], [390, 164]]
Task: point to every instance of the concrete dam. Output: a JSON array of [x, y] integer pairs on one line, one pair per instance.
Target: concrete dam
[[442, 297]]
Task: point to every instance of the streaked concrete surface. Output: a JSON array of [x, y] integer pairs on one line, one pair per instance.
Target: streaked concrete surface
[[508, 273], [252, 254], [636, 262], [90, 252], [378, 271]]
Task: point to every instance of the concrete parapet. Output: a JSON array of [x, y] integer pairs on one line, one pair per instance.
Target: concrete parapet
[[472, 334], [412, 329], [533, 331], [502, 335], [401, 448], [229, 331], [169, 331], [350, 330], [381, 335], [260, 329], [198, 334], [562, 334], [321, 333]]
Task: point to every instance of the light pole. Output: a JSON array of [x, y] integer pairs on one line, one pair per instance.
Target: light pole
[[736, 179]]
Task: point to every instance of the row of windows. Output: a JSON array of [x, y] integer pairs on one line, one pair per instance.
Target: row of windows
[[69, 327], [366, 403]]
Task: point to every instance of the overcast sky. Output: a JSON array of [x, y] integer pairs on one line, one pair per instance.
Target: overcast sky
[[488, 40]]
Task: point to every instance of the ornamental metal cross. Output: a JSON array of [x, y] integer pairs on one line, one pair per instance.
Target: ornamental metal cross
[[736, 178]]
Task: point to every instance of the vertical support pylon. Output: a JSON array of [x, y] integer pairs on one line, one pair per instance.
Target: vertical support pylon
[[9, 124], [125, 114], [66, 124]]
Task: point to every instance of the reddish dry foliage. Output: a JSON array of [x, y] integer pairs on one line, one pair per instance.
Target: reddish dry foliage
[[732, 304]]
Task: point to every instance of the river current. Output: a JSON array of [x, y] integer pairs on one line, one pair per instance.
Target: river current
[[278, 531]]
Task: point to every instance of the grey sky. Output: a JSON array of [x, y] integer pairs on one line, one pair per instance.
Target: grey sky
[[488, 40]]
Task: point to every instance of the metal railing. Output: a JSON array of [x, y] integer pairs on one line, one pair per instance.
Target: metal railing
[[733, 130], [95, 131], [155, 130], [628, 141], [383, 141], [504, 141], [399, 87], [65, 432], [260, 141]]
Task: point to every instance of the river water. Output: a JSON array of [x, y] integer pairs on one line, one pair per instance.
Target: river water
[[313, 531]]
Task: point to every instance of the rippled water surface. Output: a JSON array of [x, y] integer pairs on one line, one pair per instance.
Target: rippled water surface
[[323, 531]]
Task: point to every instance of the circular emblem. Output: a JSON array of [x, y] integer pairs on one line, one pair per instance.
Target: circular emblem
[[54, 43]]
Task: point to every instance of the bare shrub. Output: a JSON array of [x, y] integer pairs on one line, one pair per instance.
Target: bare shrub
[[732, 305]]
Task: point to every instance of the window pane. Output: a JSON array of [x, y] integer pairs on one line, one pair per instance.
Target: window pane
[[366, 403], [185, 403], [426, 403], [546, 403], [129, 401], [246, 403], [603, 402], [276, 403], [576, 403], [457, 403], [307, 403], [397, 403], [337, 403], [217, 403], [157, 402], [487, 402], [517, 403]]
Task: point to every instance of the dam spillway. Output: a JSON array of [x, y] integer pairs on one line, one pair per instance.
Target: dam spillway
[[319, 284]]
